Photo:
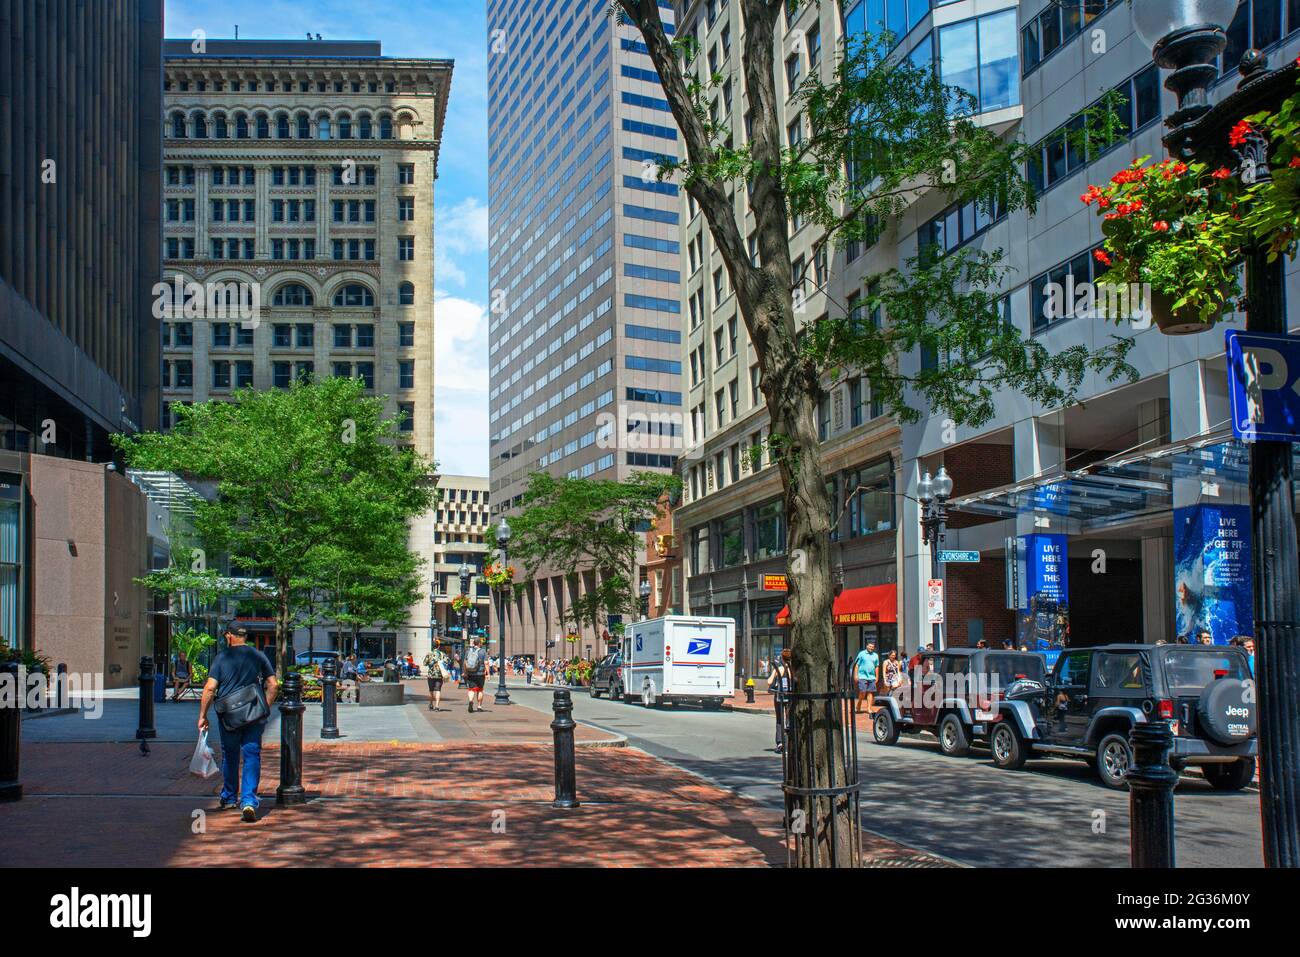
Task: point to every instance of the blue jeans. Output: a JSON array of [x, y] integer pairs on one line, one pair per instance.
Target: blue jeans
[[241, 748]]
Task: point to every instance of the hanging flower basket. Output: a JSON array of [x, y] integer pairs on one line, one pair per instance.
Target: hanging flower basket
[[461, 603], [498, 576]]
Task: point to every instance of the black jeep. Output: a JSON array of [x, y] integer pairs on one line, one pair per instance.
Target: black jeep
[[606, 677], [953, 695], [1094, 696]]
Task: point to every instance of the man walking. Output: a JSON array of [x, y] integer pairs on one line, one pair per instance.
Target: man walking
[[237, 668], [475, 669], [865, 666]]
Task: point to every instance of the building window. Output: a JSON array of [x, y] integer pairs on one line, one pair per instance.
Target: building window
[[354, 294], [406, 248], [406, 334], [406, 174], [871, 498], [980, 57], [406, 294], [730, 536], [407, 410], [769, 530], [406, 374], [405, 208]]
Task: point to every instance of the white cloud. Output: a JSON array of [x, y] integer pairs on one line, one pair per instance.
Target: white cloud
[[461, 230], [460, 385]]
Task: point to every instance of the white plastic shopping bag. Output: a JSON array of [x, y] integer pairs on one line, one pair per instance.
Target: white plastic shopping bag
[[203, 764]]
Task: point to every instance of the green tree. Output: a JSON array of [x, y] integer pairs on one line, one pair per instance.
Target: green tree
[[881, 131], [309, 468], [578, 525]]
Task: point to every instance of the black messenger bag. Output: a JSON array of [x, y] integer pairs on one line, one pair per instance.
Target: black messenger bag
[[242, 707]]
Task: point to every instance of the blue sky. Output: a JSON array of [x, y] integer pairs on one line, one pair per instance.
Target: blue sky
[[453, 29]]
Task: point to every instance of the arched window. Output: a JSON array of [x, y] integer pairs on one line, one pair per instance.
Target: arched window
[[293, 294], [241, 126], [322, 127], [304, 126], [263, 126], [178, 125], [354, 294], [219, 128], [406, 294], [200, 127], [385, 127], [366, 129], [282, 126], [345, 126]]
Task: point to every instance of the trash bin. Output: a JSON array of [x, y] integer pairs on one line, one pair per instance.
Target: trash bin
[[160, 688]]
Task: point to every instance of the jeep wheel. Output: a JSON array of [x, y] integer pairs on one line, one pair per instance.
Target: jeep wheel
[[616, 693], [883, 729], [1009, 750], [1113, 760], [1230, 777], [952, 737]]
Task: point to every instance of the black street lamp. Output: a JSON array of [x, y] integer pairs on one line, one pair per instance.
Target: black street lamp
[[933, 494], [465, 572], [433, 615], [1186, 36], [503, 539], [645, 598]]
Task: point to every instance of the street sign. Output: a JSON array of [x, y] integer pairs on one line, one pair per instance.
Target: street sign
[[934, 601], [775, 583], [955, 556], [1264, 385]]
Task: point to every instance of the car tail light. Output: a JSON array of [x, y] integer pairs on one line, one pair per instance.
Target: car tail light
[[1165, 709], [1220, 673]]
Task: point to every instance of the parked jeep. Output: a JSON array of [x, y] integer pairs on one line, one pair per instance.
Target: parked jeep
[[953, 695], [1094, 696], [605, 677]]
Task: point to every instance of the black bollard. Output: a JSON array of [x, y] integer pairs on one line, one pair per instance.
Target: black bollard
[[566, 786], [62, 695], [1151, 784], [290, 790], [11, 710], [146, 729], [329, 705]]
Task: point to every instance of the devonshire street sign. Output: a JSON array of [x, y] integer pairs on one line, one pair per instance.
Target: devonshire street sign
[[948, 555], [1264, 385]]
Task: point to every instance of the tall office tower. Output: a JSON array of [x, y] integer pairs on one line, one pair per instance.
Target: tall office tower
[[80, 148], [303, 170], [585, 350]]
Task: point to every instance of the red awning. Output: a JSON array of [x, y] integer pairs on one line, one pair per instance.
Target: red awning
[[859, 606]]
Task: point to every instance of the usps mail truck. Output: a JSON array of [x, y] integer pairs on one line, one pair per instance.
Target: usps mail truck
[[680, 658]]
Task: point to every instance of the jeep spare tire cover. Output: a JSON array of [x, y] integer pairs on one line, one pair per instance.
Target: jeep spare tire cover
[[1227, 711]]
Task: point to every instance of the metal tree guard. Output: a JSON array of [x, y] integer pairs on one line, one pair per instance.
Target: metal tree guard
[[811, 809]]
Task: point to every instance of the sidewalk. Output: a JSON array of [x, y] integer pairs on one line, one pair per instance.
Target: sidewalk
[[477, 795]]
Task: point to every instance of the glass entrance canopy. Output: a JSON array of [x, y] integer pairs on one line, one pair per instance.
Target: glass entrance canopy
[[1126, 488]]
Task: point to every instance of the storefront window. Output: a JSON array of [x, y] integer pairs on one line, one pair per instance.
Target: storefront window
[[731, 541], [11, 562], [700, 550], [769, 530], [871, 505]]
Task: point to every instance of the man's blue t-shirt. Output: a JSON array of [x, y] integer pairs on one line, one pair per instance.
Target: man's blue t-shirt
[[866, 662], [238, 666]]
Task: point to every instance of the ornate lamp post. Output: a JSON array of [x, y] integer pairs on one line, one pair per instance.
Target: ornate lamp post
[[644, 591], [1186, 36], [465, 572], [433, 615], [933, 494], [503, 539]]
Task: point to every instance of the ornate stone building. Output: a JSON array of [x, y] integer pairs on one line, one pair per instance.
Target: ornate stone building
[[302, 171]]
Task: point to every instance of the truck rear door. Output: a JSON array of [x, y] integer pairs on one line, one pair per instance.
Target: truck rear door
[[698, 654]]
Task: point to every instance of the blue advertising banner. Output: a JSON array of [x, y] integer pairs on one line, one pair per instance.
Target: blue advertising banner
[[1212, 572], [1044, 619]]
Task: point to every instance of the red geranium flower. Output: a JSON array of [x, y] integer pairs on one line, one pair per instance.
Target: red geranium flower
[[1239, 133], [1101, 257], [1295, 162], [1160, 226], [1221, 173]]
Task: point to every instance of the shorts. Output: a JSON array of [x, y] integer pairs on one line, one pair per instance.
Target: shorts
[[866, 686], [474, 682], [435, 684]]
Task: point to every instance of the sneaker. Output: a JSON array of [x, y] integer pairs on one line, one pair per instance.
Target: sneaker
[[249, 814], [471, 707], [227, 805]]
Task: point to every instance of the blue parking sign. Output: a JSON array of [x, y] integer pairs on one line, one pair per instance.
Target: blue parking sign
[[1264, 385]]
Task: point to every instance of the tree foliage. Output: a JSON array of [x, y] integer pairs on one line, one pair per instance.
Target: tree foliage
[[309, 480], [583, 525]]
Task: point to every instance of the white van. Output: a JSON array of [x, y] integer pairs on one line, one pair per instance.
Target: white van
[[680, 658]]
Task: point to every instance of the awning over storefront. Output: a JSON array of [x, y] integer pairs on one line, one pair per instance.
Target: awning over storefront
[[859, 606]]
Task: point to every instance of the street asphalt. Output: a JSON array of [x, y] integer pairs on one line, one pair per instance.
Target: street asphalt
[[1052, 814]]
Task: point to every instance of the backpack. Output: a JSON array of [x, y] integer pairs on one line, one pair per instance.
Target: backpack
[[473, 660]]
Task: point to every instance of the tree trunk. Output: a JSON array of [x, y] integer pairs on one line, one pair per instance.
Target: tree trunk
[[282, 627]]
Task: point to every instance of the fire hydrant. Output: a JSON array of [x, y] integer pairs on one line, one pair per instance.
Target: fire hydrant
[[749, 691]]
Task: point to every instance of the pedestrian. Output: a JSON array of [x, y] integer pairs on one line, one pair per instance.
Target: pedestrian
[[780, 682], [915, 661], [475, 671], [528, 670], [435, 673], [981, 643], [1006, 645], [892, 670], [865, 666], [181, 676], [243, 685]]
